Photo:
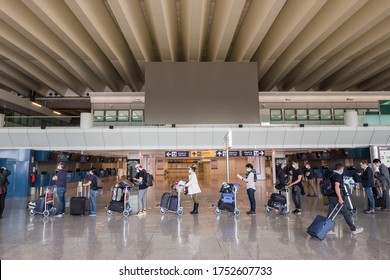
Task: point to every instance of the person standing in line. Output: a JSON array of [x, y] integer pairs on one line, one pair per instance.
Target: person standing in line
[[297, 185], [4, 173], [310, 183], [140, 180], [384, 177], [368, 183], [281, 175], [193, 188], [93, 191], [60, 179], [250, 187], [336, 180]]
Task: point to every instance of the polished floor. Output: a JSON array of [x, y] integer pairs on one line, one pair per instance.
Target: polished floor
[[203, 236]]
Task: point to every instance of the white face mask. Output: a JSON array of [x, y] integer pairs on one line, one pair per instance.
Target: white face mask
[[248, 169], [190, 171]]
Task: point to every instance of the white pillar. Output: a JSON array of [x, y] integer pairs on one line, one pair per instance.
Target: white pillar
[[2, 120], [86, 120], [351, 118], [374, 153]]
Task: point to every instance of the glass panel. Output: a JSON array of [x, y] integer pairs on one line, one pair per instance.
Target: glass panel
[[338, 114], [123, 115], [289, 114], [276, 115], [110, 116], [325, 114], [314, 114], [137, 115], [98, 116], [301, 114]]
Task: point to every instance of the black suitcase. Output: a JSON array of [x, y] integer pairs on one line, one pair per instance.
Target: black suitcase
[[226, 206], [40, 204], [275, 204], [116, 206], [164, 203], [77, 205], [173, 203], [278, 198]]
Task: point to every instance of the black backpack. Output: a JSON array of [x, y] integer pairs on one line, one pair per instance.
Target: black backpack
[[149, 179], [326, 187]]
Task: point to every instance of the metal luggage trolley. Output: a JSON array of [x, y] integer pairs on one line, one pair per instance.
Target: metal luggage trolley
[[179, 186], [282, 208], [229, 207], [48, 203], [120, 199]]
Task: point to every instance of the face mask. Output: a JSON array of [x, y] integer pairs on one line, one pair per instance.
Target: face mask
[[190, 171], [248, 169]]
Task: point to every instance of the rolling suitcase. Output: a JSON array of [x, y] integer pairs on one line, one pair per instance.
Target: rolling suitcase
[[116, 206], [77, 205], [227, 198], [173, 203], [278, 198], [321, 225]]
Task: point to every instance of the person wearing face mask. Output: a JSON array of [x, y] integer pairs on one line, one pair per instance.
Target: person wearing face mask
[[296, 183], [93, 191], [250, 187], [60, 179], [193, 188], [310, 184], [140, 178], [384, 177], [368, 183]]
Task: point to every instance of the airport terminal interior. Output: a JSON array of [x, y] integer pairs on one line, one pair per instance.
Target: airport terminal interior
[[175, 84]]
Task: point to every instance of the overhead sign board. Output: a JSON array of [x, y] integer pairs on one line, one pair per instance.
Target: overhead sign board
[[221, 153], [177, 154], [256, 153], [202, 153]]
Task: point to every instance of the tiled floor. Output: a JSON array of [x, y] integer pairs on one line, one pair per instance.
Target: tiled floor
[[202, 236]]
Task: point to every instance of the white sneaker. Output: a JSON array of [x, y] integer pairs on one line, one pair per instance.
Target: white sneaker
[[357, 230], [58, 216]]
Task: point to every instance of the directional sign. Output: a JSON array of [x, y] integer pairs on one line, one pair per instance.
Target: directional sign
[[176, 154], [221, 153], [256, 153]]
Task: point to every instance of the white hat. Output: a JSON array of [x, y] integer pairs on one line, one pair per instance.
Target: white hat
[[137, 165]]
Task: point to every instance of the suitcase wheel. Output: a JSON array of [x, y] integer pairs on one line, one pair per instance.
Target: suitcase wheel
[[53, 210], [217, 211], [46, 213], [268, 209], [162, 211], [32, 212], [109, 213], [236, 212]]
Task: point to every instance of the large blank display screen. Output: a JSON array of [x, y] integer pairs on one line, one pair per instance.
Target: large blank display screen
[[201, 93]]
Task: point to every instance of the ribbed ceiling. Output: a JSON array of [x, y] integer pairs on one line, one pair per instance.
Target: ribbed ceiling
[[71, 47]]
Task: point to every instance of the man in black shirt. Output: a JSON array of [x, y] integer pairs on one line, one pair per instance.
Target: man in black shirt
[[337, 180], [297, 185]]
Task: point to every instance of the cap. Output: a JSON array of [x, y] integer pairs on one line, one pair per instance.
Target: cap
[[137, 165]]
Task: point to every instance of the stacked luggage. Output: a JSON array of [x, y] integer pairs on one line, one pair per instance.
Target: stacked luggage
[[120, 199], [80, 204], [44, 205], [278, 202], [170, 201], [227, 200]]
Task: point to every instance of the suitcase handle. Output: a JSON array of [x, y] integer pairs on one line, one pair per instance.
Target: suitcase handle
[[335, 211]]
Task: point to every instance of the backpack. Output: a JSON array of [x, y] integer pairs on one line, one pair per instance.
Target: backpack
[[326, 187], [149, 179]]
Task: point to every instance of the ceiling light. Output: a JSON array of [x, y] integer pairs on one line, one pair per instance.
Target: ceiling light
[[55, 112], [36, 104]]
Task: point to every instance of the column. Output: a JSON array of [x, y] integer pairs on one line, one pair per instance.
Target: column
[[351, 118], [2, 120]]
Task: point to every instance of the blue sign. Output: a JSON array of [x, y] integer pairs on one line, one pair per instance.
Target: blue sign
[[177, 154]]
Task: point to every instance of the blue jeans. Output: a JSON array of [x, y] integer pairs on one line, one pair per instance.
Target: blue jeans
[[61, 200], [93, 200], [251, 196], [370, 196]]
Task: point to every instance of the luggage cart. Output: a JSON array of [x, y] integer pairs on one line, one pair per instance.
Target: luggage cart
[[166, 200], [349, 184], [120, 199], [223, 203], [282, 208], [45, 203]]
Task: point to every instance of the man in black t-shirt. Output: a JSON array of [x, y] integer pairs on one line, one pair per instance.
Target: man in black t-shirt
[[297, 186], [140, 178], [337, 180]]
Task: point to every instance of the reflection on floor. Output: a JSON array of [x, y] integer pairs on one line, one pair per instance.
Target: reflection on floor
[[202, 236]]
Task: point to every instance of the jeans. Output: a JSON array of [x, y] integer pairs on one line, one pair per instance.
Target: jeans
[[333, 201], [251, 196], [142, 199], [92, 200], [297, 196], [61, 200], [370, 196]]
